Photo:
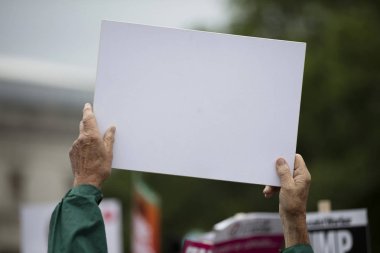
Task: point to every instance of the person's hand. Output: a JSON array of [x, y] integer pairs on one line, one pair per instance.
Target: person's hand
[[294, 190], [91, 154], [293, 196]]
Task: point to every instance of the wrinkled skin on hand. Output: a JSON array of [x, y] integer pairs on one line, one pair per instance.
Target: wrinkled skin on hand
[[293, 195], [91, 154]]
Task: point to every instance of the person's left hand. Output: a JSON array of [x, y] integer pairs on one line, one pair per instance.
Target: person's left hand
[[293, 197], [91, 155]]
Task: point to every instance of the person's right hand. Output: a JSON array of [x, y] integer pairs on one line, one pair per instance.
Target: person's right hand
[[293, 196], [91, 154]]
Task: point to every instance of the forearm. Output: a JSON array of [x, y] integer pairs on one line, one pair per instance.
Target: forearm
[[295, 229]]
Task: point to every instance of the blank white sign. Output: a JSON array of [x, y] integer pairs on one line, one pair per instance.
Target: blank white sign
[[199, 104]]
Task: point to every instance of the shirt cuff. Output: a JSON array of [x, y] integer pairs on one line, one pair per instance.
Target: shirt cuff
[[86, 190], [299, 248]]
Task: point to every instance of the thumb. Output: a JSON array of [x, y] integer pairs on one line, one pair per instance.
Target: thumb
[[109, 139], [269, 191], [283, 172]]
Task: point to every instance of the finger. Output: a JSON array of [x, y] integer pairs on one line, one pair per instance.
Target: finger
[[81, 122], [81, 130], [283, 172], [269, 191], [109, 139], [87, 109], [88, 123], [299, 166]]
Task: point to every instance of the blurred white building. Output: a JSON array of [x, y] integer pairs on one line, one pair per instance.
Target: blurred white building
[[48, 58], [37, 127]]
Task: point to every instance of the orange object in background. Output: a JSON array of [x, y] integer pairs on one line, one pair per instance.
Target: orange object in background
[[146, 215]]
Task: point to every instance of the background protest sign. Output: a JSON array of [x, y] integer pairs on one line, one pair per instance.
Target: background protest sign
[[343, 231], [242, 233], [339, 231]]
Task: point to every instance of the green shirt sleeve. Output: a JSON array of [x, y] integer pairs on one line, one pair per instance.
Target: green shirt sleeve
[[299, 248], [76, 224]]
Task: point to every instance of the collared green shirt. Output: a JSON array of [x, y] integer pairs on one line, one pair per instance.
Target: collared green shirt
[[76, 224], [299, 248]]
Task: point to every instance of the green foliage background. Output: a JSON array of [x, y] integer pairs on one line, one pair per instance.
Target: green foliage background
[[339, 129]]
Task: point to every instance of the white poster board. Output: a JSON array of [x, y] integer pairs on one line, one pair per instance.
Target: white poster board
[[199, 104]]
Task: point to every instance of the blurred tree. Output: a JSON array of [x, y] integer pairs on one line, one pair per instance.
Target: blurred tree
[[339, 130]]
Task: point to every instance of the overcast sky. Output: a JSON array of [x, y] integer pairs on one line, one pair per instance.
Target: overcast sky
[[62, 36]]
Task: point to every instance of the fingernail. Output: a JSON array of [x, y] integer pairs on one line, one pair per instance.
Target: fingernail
[[87, 105], [280, 161]]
